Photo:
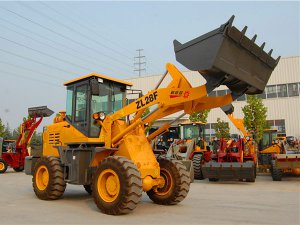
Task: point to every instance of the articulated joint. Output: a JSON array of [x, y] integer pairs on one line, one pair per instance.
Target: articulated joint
[[150, 183]]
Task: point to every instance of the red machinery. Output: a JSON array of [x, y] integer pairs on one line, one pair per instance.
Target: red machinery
[[16, 157], [234, 160]]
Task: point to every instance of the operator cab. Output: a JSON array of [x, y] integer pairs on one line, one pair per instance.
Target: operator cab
[[194, 131], [269, 138], [93, 93]]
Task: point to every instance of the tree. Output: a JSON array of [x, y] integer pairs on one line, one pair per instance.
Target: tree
[[2, 128], [200, 116], [222, 129], [7, 133], [255, 117], [36, 139]]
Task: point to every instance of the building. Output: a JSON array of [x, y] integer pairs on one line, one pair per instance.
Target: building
[[281, 97]]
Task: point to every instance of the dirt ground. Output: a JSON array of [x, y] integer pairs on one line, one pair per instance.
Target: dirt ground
[[225, 202]]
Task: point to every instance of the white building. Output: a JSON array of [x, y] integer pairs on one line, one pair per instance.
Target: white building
[[281, 97]]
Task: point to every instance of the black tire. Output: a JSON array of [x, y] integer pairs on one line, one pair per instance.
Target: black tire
[[19, 169], [177, 183], [55, 187], [128, 178], [198, 175], [252, 180], [276, 173], [88, 188], [213, 179], [3, 166]]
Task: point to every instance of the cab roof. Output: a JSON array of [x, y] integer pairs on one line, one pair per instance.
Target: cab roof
[[99, 76]]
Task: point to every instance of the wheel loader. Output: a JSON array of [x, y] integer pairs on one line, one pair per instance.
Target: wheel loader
[[96, 144], [184, 142], [277, 156], [14, 154], [235, 159]]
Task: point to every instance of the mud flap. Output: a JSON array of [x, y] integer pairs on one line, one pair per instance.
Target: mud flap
[[225, 56], [229, 170]]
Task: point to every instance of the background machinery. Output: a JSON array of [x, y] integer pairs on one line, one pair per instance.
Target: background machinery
[[14, 152], [96, 144], [235, 159]]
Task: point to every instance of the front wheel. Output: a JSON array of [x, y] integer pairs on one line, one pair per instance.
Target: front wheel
[[177, 183], [3, 166], [48, 180], [276, 173], [197, 167], [117, 186]]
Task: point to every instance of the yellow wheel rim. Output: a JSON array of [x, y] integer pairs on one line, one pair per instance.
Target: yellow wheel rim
[[169, 182], [2, 166], [42, 178], [108, 185]]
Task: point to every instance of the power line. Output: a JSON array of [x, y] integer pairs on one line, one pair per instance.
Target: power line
[[87, 28], [30, 78], [46, 54], [31, 70], [46, 28], [102, 25], [58, 49], [75, 31], [36, 61], [141, 62]]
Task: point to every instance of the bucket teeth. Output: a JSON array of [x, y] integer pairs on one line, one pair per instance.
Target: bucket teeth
[[228, 52], [270, 52]]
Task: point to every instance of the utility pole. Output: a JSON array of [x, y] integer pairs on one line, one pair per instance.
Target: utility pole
[[140, 62]]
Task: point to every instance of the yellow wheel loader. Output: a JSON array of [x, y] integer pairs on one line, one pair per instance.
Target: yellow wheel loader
[[96, 144]]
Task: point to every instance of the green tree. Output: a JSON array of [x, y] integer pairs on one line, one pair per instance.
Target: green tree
[[7, 133], [222, 129], [255, 117], [200, 116], [15, 134], [36, 139], [2, 128]]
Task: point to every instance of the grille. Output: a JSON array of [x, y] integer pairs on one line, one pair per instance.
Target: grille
[[54, 138]]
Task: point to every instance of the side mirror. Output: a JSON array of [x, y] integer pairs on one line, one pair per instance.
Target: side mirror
[[94, 87]]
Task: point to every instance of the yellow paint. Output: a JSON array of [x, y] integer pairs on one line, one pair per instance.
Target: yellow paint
[[42, 178], [2, 166], [99, 76], [130, 138], [108, 185], [168, 183]]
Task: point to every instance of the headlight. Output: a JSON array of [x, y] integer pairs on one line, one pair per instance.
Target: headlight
[[99, 116], [276, 141], [247, 138], [171, 139], [102, 116]]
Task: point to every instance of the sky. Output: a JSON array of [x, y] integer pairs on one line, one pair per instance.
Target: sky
[[43, 44]]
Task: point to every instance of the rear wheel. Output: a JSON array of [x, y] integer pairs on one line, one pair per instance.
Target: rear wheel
[[117, 186], [197, 167], [3, 166], [177, 183], [48, 180], [276, 173]]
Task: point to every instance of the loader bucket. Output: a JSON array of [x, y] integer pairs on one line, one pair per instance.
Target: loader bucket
[[225, 56], [229, 170], [41, 111]]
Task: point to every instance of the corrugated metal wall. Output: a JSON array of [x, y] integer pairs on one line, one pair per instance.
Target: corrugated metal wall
[[288, 108]]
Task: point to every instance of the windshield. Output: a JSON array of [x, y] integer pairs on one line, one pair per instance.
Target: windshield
[[191, 131]]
